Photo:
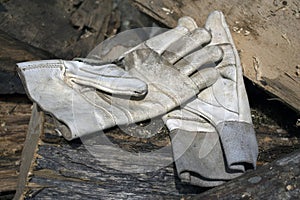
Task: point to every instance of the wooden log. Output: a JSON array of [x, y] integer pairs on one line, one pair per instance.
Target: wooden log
[[277, 180], [265, 33]]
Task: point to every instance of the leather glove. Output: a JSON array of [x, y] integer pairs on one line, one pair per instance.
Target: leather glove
[[92, 95], [213, 139]]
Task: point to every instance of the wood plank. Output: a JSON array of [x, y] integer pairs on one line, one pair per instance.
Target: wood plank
[[34, 130], [277, 180], [14, 118], [266, 34], [8, 180], [70, 170]]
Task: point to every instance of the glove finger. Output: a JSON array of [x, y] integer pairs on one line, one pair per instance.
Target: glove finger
[[187, 22], [217, 25], [186, 45], [205, 77], [221, 35], [109, 78], [189, 64], [162, 41]]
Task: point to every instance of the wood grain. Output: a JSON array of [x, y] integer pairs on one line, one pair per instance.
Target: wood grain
[[69, 170], [14, 118]]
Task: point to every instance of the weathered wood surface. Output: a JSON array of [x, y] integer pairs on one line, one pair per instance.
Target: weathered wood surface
[[266, 34], [64, 28], [14, 118], [13, 51], [75, 178], [69, 171], [277, 180], [35, 129]]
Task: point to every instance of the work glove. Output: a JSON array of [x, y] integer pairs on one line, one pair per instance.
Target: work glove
[[213, 139], [91, 95]]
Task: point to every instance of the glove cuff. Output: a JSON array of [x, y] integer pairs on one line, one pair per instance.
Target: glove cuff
[[199, 158], [239, 143]]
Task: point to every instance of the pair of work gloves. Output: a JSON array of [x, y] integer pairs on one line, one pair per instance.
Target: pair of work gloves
[[190, 75]]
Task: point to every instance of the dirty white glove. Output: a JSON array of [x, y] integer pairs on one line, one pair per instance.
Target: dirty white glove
[[90, 95], [213, 139]]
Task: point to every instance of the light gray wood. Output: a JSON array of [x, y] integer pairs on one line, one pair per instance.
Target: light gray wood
[[28, 154]]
